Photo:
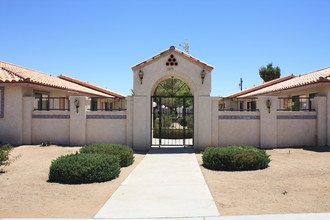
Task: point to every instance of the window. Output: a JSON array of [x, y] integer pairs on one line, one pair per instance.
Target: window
[[2, 101], [62, 103], [42, 100], [222, 107], [311, 104], [94, 104], [241, 106], [296, 103], [252, 106]]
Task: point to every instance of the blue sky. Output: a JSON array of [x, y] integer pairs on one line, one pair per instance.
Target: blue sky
[[98, 41]]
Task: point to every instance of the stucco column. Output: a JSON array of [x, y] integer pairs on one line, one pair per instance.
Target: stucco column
[[204, 125], [321, 126], [78, 121], [215, 121], [27, 119], [141, 130], [129, 121], [268, 122]]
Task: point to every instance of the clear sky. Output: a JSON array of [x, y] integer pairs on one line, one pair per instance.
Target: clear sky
[[99, 40]]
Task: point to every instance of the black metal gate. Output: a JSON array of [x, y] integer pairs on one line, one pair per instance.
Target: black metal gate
[[172, 121]]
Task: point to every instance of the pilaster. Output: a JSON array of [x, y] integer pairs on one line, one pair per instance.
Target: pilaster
[[77, 120]]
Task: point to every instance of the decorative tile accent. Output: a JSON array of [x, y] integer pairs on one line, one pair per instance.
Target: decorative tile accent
[[106, 116], [51, 116], [2, 102], [297, 117], [244, 117]]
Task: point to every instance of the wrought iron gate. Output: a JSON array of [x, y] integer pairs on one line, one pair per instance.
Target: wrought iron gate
[[172, 121]]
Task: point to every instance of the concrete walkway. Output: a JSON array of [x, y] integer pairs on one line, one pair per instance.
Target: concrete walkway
[[167, 183]]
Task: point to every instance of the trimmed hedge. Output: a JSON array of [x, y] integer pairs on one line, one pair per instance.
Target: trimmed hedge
[[84, 168], [235, 158], [173, 134], [124, 153]]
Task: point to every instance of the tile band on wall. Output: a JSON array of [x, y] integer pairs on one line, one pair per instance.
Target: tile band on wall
[[106, 116], [51, 116], [297, 117], [244, 117]]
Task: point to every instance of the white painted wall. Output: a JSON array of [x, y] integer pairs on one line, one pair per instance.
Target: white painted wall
[[11, 126], [110, 130], [54, 130]]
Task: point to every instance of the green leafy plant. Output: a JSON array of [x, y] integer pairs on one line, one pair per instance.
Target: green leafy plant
[[235, 158], [84, 168], [124, 153], [4, 154], [173, 133]]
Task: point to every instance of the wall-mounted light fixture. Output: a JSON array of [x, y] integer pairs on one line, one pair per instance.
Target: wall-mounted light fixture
[[268, 104], [76, 103], [141, 75], [203, 74]]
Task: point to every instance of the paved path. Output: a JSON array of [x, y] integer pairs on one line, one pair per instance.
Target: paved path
[[167, 183]]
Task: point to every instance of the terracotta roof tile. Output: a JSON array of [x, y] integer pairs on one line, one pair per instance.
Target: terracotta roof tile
[[109, 92], [322, 75], [255, 88], [10, 73]]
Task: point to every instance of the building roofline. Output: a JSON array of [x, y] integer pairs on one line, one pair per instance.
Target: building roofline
[[261, 86], [91, 86], [178, 52]]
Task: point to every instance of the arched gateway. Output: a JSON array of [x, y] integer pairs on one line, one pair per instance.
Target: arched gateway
[[172, 103], [172, 114]]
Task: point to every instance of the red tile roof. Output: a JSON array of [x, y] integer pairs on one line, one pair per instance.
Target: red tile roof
[[178, 52], [91, 86], [10, 73], [255, 88], [322, 75]]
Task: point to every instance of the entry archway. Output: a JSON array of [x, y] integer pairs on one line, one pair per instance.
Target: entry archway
[[172, 114]]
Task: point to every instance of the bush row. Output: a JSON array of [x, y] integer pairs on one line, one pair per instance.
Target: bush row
[[173, 134], [124, 153], [94, 163], [235, 158]]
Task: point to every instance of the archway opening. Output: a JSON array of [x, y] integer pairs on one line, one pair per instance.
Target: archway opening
[[172, 114]]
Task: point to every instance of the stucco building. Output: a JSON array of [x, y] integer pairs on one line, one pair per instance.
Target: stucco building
[[171, 106]]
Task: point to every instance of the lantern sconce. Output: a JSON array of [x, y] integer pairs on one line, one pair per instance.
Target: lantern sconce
[[76, 103], [140, 75], [268, 104], [203, 74]]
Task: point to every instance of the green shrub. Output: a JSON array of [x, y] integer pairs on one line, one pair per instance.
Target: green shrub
[[124, 153], [235, 158], [84, 168], [173, 134], [4, 154]]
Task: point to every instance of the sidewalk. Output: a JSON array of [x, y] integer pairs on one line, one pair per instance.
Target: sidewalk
[[168, 183]]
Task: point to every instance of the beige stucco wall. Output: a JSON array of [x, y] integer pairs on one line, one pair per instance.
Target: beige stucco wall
[[11, 126], [239, 131], [106, 130], [54, 130], [296, 132]]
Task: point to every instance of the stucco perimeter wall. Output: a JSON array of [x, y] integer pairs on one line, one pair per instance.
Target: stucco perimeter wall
[[239, 128], [53, 126], [296, 129], [11, 125], [106, 127]]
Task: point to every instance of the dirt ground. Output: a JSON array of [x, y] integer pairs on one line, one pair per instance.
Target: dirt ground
[[25, 192], [297, 181]]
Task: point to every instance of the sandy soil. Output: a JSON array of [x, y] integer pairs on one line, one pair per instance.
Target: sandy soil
[[25, 192], [297, 181]]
